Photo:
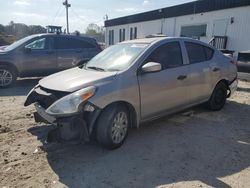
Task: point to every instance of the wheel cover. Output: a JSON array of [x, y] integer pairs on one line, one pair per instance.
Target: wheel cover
[[5, 77], [119, 127]]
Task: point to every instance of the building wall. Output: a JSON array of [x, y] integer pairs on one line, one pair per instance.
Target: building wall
[[237, 32]]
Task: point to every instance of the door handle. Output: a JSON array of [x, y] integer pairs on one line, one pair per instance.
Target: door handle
[[215, 69], [182, 77]]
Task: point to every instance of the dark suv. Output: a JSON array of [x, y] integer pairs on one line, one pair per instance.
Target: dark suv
[[44, 54]]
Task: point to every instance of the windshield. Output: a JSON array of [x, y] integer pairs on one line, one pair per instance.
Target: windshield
[[17, 43], [116, 58]]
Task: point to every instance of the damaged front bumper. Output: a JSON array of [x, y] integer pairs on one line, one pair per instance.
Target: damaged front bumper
[[78, 126], [41, 116]]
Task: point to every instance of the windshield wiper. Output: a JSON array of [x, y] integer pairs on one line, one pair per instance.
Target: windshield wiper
[[96, 68]]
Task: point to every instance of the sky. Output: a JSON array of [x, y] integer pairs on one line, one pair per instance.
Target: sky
[[81, 12]]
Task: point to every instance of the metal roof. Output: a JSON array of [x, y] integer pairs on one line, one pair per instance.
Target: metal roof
[[194, 7]]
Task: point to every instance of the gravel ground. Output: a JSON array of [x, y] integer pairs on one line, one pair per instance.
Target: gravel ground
[[195, 148]]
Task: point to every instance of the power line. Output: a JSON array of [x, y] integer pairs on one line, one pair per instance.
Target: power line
[[77, 15], [58, 13]]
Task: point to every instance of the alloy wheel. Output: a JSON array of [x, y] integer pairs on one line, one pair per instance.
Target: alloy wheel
[[119, 127], [5, 77]]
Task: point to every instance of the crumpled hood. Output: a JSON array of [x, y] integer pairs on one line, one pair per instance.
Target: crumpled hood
[[74, 79]]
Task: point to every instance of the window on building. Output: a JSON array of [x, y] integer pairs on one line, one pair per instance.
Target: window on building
[[133, 33], [194, 31], [122, 35], [198, 53], [169, 55], [111, 37]]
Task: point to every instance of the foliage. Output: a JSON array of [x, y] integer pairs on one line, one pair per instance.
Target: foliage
[[95, 31], [20, 30]]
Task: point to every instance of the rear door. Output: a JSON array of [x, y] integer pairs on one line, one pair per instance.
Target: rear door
[[71, 50], [202, 71], [165, 90]]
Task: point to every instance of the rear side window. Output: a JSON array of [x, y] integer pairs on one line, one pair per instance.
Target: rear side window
[[71, 43], [169, 55], [198, 53], [209, 52]]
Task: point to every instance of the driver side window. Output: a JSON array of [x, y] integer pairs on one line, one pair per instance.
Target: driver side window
[[39, 44], [168, 55]]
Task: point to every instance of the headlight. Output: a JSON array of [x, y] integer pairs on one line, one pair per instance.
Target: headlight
[[70, 103]]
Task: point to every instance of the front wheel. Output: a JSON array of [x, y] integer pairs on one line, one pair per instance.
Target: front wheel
[[112, 126], [218, 98]]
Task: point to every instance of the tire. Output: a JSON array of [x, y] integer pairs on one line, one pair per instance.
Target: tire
[[8, 76], [218, 97], [112, 126]]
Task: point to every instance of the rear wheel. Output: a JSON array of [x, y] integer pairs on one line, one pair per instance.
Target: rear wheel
[[218, 98], [7, 76], [112, 126]]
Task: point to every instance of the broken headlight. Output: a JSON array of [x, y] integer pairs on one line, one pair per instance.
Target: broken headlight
[[69, 104]]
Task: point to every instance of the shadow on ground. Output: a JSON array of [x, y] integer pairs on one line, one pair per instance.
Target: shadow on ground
[[243, 89], [20, 88], [200, 145]]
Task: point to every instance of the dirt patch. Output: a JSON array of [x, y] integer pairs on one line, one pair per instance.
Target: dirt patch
[[195, 148], [4, 129]]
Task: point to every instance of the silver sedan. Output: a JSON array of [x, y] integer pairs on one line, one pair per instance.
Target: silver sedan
[[130, 83]]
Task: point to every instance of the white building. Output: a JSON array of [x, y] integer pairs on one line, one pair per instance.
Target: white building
[[228, 21]]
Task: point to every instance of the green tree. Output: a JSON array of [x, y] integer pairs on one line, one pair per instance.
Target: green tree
[[2, 29], [95, 31], [35, 29]]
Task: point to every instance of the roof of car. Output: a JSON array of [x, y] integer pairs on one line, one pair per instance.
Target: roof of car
[[64, 35], [157, 39], [153, 39], [145, 40]]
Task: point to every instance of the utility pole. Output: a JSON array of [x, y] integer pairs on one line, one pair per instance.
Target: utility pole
[[67, 5]]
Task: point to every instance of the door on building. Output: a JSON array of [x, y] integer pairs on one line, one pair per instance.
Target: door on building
[[220, 27]]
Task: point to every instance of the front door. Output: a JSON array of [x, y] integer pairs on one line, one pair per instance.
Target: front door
[[165, 90], [37, 57]]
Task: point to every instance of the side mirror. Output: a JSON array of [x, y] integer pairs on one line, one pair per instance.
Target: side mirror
[[151, 67], [27, 49]]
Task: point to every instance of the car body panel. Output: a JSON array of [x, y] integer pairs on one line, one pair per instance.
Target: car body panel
[[74, 79]]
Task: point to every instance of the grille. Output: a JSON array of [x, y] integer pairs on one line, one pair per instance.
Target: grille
[[45, 97]]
